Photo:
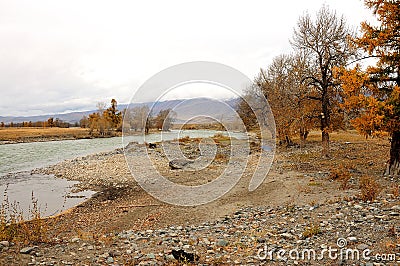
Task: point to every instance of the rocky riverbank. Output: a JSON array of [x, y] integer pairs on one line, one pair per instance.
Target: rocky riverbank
[[356, 233], [300, 206]]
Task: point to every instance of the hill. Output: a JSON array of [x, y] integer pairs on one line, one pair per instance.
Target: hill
[[185, 109]]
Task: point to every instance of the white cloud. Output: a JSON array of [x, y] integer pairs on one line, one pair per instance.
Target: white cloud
[[55, 53]]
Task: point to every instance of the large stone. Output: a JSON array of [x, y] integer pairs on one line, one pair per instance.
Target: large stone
[[178, 163]]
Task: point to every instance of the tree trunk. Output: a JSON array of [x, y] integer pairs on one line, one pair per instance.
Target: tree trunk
[[303, 136], [394, 161], [302, 140], [289, 142], [325, 142], [325, 134], [325, 123]]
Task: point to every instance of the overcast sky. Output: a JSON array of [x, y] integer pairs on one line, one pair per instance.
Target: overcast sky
[[58, 56]]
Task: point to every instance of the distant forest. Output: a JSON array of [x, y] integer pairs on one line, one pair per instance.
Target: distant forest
[[51, 122]]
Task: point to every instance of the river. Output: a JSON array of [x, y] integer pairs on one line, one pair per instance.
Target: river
[[17, 160]]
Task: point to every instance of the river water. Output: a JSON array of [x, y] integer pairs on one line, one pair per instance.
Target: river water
[[16, 161]]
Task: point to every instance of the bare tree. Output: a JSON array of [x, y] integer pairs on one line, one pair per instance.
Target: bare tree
[[101, 106], [325, 42], [136, 117], [281, 84], [164, 119]]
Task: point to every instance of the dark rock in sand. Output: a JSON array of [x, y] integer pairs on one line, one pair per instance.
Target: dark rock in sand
[[152, 145], [183, 256]]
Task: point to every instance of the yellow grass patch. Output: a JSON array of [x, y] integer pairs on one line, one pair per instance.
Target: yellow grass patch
[[22, 133]]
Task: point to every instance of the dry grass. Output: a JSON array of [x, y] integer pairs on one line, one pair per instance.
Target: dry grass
[[388, 246], [370, 189], [14, 227], [395, 190], [360, 156], [304, 189], [312, 230], [185, 139], [222, 140], [220, 157], [337, 136], [26, 133], [342, 175]]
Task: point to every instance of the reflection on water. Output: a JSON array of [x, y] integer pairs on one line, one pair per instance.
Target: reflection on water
[[53, 194]]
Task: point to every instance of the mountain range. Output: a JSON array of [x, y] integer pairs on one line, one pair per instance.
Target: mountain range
[[184, 108]]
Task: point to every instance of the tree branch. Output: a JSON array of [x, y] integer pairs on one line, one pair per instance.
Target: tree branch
[[314, 98], [359, 59]]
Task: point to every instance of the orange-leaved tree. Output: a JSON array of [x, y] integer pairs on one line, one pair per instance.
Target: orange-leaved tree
[[324, 42], [373, 93], [281, 84]]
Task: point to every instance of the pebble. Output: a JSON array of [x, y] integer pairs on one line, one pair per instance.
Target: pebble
[[222, 243], [287, 236], [396, 208], [361, 247], [5, 243], [151, 256], [27, 250], [75, 239], [352, 239], [234, 239]]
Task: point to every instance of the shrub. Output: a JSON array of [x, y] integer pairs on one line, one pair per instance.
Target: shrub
[[395, 190], [220, 157], [312, 230], [184, 139], [342, 175], [370, 189]]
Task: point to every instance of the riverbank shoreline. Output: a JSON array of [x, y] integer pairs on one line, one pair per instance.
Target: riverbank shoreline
[[27, 135], [123, 224]]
